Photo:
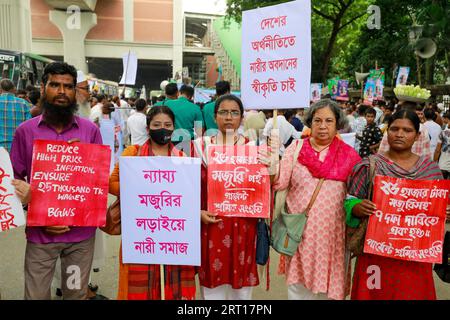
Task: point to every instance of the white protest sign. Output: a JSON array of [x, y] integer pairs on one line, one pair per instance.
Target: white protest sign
[[349, 138], [111, 137], [107, 133], [316, 92], [160, 210], [11, 211], [276, 56], [402, 78], [130, 64]]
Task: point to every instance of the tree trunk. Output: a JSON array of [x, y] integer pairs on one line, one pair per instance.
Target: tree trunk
[[447, 67], [419, 70], [429, 70], [328, 51]]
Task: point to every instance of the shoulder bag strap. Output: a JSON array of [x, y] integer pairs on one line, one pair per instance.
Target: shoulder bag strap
[[314, 196], [279, 198]]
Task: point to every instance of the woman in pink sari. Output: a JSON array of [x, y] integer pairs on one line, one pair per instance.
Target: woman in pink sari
[[319, 269]]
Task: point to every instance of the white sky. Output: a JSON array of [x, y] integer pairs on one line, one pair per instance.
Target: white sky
[[205, 6]]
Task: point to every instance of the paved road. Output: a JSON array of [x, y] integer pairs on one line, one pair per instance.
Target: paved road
[[12, 249]]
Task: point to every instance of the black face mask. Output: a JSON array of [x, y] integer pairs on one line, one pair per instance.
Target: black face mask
[[161, 136]]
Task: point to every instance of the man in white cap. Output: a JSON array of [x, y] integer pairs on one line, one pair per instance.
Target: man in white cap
[[84, 107]]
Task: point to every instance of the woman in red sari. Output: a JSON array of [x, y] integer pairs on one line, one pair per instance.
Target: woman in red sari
[[400, 280], [228, 268], [140, 281]]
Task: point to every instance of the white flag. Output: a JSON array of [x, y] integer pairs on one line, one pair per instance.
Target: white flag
[[130, 64]]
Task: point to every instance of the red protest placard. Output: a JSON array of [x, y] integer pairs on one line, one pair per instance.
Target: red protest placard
[[237, 185], [410, 221], [69, 184]]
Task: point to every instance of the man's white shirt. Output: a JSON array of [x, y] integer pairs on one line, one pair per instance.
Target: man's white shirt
[[286, 131], [434, 131], [96, 112], [137, 126]]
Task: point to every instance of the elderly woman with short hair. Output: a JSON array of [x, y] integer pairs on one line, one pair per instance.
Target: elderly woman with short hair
[[318, 270]]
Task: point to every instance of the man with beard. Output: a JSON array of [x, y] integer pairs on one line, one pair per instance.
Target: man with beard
[[84, 107], [74, 245]]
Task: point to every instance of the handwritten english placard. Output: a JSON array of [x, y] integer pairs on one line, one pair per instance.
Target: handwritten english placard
[[410, 221], [69, 184], [276, 56], [160, 210]]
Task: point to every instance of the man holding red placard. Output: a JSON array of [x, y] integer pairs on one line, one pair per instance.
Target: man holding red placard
[[75, 245]]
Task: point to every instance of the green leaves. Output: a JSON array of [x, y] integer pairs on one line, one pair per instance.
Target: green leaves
[[390, 44], [354, 44]]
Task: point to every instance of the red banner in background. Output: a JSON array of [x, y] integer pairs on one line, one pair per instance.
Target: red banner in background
[[237, 185], [410, 221], [69, 184]]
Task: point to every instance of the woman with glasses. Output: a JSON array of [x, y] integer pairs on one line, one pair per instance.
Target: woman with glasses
[[228, 267], [318, 269]]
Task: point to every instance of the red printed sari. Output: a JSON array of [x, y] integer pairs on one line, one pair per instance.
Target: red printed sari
[[399, 279], [143, 282], [228, 247]]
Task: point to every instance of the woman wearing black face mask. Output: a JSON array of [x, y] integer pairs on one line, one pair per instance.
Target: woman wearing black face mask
[[138, 281]]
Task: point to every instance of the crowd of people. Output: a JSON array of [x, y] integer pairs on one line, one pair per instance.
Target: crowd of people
[[405, 140]]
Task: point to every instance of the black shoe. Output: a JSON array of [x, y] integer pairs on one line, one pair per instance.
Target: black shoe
[[96, 270], [99, 297], [58, 292], [92, 287]]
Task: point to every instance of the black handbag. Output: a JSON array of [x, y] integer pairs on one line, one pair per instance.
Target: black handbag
[[443, 269], [262, 242]]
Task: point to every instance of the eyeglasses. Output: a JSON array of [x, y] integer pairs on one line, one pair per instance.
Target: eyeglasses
[[224, 113]]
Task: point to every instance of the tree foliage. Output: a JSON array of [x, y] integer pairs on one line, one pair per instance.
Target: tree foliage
[[390, 45], [329, 24], [342, 42]]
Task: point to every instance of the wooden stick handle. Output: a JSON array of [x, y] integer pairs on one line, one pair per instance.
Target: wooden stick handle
[[275, 118], [162, 276]]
